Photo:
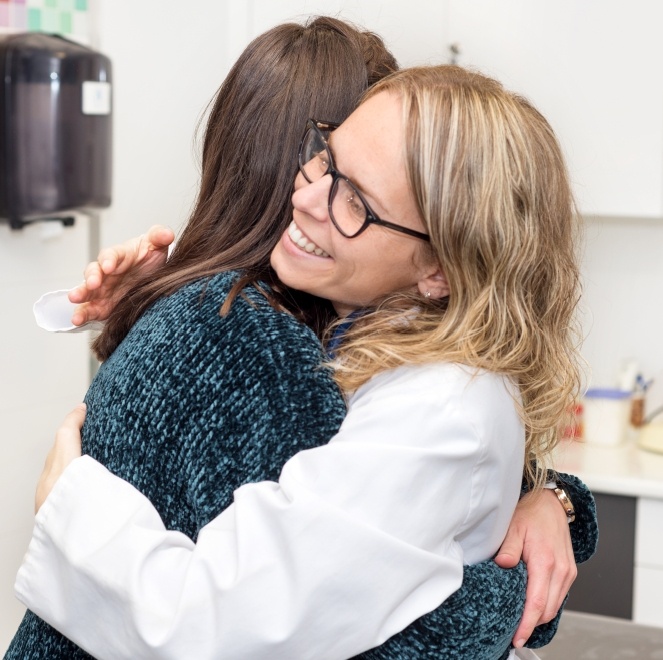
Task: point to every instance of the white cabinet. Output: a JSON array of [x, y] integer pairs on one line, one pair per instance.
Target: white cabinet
[[648, 596], [632, 535], [648, 586], [595, 70]]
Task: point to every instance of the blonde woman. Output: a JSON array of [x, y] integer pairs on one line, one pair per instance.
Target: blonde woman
[[439, 222]]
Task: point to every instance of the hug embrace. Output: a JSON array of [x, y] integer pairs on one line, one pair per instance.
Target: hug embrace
[[313, 422]]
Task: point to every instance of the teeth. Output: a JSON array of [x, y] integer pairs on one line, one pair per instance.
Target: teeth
[[303, 242]]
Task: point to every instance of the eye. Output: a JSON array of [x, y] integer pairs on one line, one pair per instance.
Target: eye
[[317, 165], [355, 206], [322, 160]]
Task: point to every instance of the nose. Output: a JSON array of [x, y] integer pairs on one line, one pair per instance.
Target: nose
[[312, 198]]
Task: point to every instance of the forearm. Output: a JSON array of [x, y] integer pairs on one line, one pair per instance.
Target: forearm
[[328, 563], [104, 557]]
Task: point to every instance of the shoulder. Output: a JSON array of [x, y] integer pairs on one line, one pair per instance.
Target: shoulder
[[253, 308], [269, 350], [444, 388], [436, 404], [252, 344], [251, 322], [453, 414]]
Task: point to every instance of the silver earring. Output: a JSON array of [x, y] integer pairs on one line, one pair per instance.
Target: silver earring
[[427, 295]]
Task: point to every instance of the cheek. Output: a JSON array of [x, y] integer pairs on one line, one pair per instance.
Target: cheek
[[382, 271]]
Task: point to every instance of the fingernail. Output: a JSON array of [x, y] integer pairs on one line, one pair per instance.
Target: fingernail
[[519, 643]]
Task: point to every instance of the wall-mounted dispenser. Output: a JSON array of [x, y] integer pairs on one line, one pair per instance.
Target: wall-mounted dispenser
[[55, 128]]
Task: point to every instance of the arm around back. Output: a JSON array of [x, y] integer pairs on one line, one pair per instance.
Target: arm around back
[[329, 563]]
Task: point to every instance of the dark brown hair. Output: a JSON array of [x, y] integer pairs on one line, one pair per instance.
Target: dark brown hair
[[286, 75]]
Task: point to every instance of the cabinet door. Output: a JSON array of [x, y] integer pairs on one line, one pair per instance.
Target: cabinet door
[[605, 583], [648, 601], [594, 69]]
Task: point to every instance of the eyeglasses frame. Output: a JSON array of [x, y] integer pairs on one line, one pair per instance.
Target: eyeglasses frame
[[371, 217]]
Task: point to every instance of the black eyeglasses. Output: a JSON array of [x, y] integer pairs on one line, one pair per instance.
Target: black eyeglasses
[[348, 209]]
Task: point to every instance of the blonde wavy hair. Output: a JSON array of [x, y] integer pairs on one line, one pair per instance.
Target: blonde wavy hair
[[493, 191]]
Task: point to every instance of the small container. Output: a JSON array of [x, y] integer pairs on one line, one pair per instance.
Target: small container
[[573, 428], [606, 414]]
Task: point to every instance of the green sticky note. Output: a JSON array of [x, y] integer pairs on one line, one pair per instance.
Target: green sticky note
[[34, 19], [65, 23], [81, 5], [50, 3]]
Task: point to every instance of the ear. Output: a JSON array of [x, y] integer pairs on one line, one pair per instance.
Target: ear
[[435, 285]]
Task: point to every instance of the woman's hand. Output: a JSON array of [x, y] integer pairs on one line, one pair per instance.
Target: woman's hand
[[65, 449], [104, 278], [539, 533]]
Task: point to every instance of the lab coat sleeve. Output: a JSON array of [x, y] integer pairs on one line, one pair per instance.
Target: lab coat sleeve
[[53, 312], [346, 550]]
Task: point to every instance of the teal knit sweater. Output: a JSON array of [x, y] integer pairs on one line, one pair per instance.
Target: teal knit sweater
[[191, 406]]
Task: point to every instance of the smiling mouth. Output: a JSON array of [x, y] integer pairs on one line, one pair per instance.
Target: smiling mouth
[[304, 243]]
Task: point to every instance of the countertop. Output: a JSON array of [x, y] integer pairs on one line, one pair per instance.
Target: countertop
[[618, 470]]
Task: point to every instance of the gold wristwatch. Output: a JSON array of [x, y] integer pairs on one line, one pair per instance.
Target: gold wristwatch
[[566, 503]]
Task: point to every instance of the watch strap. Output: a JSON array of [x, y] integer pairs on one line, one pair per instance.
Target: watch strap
[[566, 503]]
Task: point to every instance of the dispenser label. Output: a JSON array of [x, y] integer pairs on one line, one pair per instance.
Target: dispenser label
[[96, 98]]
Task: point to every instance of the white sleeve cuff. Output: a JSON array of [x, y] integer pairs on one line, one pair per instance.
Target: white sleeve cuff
[[53, 312]]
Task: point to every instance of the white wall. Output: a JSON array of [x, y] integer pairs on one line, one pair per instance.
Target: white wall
[[168, 60], [41, 377], [166, 67], [623, 296]]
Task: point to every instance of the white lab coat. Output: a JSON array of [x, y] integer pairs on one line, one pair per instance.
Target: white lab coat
[[359, 537]]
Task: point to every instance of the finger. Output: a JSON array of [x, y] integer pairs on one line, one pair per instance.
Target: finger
[[95, 310], [560, 584], [160, 236], [536, 599], [66, 448], [121, 258], [81, 315], [110, 259], [93, 275], [80, 294], [74, 420], [562, 577], [67, 445], [511, 550]]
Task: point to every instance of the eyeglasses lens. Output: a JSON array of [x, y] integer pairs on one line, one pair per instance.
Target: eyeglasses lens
[[348, 211], [347, 208], [314, 161]]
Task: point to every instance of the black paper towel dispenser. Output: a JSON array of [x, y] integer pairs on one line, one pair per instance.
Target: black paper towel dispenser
[[55, 127]]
